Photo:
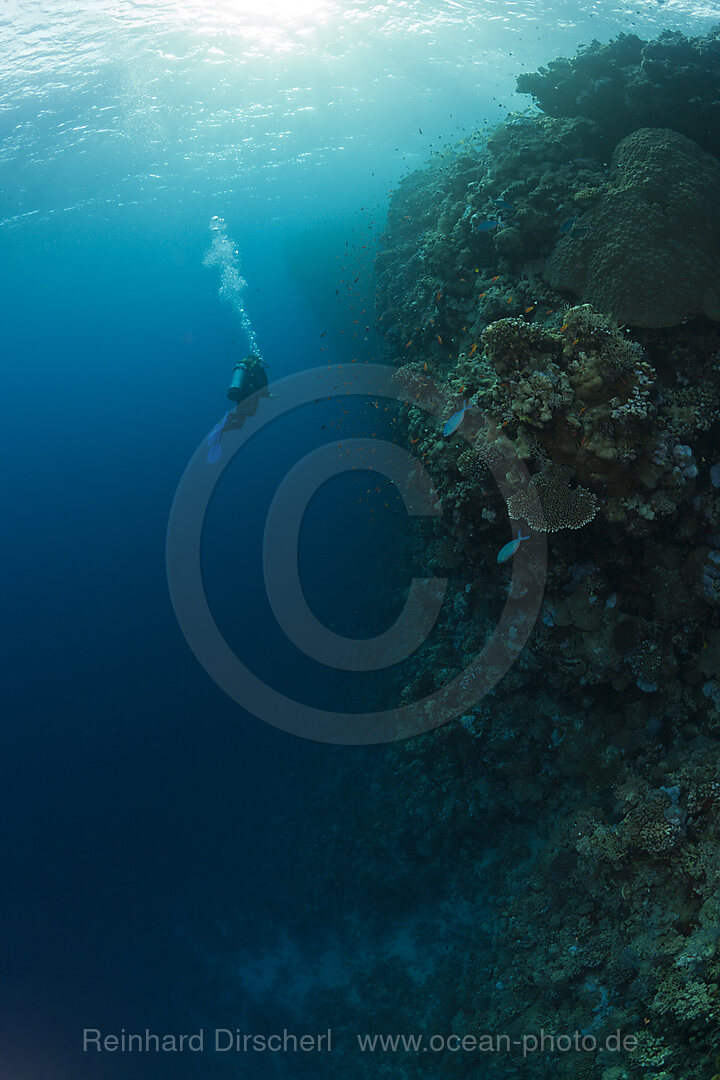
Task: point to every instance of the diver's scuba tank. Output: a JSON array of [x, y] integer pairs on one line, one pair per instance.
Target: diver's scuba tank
[[248, 377], [239, 378]]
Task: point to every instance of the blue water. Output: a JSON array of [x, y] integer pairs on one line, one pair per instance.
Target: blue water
[[154, 833]]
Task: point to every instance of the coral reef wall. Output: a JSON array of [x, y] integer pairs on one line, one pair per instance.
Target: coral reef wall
[[561, 278]]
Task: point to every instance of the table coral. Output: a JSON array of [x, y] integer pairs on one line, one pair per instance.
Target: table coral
[[558, 505]]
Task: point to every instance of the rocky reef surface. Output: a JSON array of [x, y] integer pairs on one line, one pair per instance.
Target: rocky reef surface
[[562, 280]]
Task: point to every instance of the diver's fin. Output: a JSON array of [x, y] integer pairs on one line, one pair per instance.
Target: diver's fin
[[214, 441]]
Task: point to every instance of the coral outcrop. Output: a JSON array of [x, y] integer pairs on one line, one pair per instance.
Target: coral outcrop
[[649, 251], [629, 83]]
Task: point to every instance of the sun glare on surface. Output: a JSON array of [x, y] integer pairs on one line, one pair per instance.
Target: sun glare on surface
[[232, 12], [267, 26]]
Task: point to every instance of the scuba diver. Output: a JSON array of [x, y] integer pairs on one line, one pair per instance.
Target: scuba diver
[[249, 377]]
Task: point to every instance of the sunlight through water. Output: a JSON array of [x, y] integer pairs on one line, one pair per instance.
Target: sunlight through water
[[123, 95]]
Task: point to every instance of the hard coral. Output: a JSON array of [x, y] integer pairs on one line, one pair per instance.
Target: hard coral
[[553, 504], [651, 252], [630, 83]]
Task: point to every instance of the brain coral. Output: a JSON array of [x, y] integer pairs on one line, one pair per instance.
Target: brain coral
[[648, 251]]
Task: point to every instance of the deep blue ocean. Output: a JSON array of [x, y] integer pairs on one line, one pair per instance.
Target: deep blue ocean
[[157, 839]]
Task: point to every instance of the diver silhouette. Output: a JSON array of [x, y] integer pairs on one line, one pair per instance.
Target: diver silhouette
[[248, 383]]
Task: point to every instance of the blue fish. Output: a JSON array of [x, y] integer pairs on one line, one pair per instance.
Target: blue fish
[[215, 440], [508, 550], [486, 226], [455, 421], [504, 204], [569, 224]]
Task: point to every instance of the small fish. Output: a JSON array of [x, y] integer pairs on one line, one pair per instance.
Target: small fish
[[582, 230], [215, 439], [473, 350], [486, 226], [508, 550], [451, 425], [529, 309], [439, 340], [504, 204], [568, 225]]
